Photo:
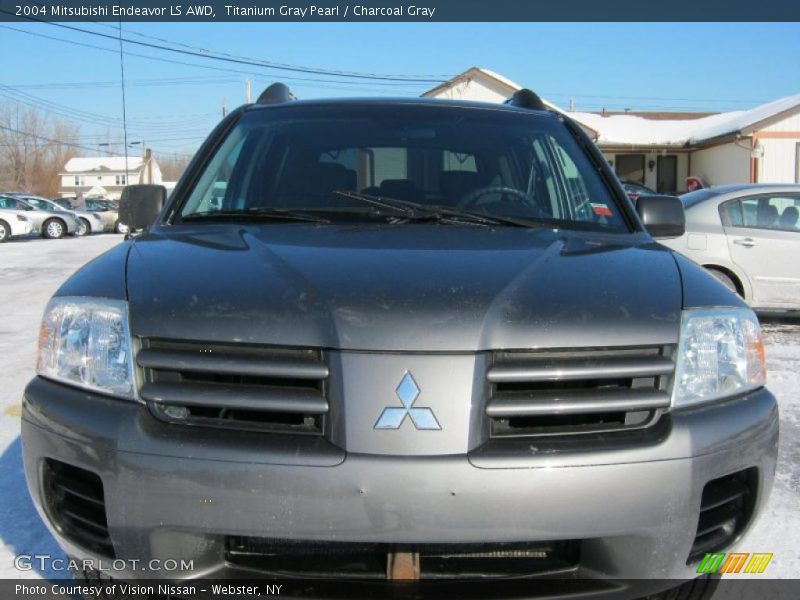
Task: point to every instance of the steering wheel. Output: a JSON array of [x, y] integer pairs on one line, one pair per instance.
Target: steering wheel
[[472, 199]]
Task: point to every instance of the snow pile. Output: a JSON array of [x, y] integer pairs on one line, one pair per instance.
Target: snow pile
[[634, 130]]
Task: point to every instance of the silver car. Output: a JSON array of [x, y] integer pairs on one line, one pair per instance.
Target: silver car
[[13, 223], [88, 222], [748, 237], [108, 212], [49, 223]]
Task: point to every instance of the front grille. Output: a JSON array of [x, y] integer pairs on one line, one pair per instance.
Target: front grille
[[577, 392], [371, 560], [75, 502], [725, 509], [281, 390]]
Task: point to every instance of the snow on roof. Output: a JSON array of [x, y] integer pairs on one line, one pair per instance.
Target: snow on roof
[[640, 131], [102, 163], [743, 120], [498, 77]]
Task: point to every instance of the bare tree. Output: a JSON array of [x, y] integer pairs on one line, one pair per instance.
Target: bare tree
[[172, 165], [33, 149]]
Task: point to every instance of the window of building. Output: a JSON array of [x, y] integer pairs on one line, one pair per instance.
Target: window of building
[[630, 167], [120, 180], [79, 179]]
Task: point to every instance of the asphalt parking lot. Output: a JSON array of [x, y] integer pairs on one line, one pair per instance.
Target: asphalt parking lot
[[32, 269]]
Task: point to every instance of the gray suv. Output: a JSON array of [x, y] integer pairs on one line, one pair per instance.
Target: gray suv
[[400, 340]]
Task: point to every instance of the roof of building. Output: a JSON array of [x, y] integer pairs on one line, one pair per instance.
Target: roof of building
[[512, 87], [654, 129], [660, 115], [627, 129], [103, 163]]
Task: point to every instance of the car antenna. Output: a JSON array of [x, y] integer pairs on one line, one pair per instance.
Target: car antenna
[[276, 94]]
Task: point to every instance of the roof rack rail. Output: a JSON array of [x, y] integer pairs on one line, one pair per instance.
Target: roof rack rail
[[275, 94], [526, 98]]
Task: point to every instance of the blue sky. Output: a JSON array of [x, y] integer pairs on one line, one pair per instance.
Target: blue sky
[[694, 66]]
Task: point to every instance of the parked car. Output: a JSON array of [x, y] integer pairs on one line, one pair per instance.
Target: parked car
[[108, 211], [49, 223], [748, 237], [634, 190], [13, 223], [400, 339], [88, 222]]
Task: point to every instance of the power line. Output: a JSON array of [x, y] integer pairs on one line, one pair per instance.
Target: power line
[[94, 118], [243, 61], [210, 67], [287, 65], [47, 139]]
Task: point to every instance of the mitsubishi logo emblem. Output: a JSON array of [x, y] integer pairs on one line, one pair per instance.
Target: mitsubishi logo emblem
[[392, 417]]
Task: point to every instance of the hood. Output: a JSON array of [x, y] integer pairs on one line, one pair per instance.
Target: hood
[[402, 288]]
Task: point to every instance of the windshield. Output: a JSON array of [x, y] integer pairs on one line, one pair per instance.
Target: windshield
[[492, 162]]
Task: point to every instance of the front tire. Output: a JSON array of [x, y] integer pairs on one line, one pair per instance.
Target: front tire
[[5, 232], [53, 229], [84, 228], [120, 227]]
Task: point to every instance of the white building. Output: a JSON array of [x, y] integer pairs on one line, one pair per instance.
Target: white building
[[661, 150], [105, 176]]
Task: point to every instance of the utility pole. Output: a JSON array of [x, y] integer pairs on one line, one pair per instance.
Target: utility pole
[[247, 91], [571, 105]]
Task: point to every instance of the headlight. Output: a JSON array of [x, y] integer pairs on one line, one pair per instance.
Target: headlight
[[22, 218], [85, 342], [721, 353]]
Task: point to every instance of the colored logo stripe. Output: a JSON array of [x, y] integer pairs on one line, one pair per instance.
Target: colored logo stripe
[[720, 562]]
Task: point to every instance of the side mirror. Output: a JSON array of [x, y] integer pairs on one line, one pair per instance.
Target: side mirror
[[140, 205], [662, 216]]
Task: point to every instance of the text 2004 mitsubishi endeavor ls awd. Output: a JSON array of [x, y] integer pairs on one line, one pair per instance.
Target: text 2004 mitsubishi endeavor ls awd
[[403, 339]]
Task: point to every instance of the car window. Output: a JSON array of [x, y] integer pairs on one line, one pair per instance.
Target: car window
[[8, 203], [508, 164], [763, 212], [731, 213]]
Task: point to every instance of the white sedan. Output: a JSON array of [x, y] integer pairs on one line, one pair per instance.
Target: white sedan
[[748, 237], [13, 223]]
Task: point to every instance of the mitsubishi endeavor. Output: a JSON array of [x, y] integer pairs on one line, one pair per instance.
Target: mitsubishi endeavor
[[400, 340]]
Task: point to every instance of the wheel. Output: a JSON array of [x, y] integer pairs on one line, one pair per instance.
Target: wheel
[[701, 588], [120, 227], [5, 232], [725, 280], [53, 229], [84, 227]]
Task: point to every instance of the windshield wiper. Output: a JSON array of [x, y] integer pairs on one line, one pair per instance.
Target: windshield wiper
[[416, 211], [256, 213]]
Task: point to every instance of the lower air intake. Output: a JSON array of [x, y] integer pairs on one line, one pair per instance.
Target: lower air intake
[[353, 560], [725, 510], [75, 501]]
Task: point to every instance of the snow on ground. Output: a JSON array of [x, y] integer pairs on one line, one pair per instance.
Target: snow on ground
[[31, 270]]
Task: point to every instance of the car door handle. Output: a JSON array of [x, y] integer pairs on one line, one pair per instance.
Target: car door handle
[[749, 242]]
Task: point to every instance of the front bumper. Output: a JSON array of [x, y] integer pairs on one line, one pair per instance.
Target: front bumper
[[176, 492]]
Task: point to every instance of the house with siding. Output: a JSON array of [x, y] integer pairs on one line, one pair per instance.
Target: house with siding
[[106, 176], [662, 150]]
